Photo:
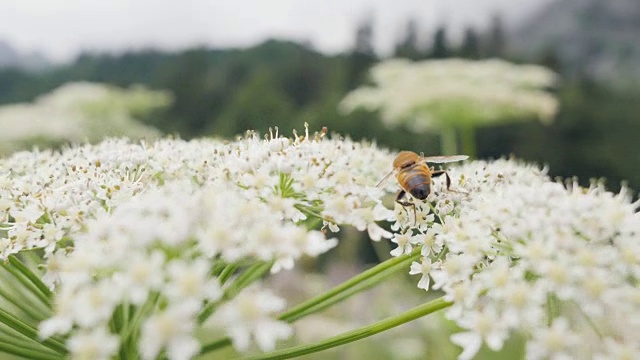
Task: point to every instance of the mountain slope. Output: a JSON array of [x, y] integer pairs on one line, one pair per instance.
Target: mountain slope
[[10, 57], [599, 38]]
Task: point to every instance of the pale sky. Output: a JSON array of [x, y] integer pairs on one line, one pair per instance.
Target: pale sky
[[61, 29]]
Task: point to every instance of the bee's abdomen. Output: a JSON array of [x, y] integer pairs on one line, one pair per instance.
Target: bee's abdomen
[[415, 182], [421, 192]]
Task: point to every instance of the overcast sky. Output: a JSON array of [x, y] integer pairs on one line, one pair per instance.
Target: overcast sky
[[63, 28]]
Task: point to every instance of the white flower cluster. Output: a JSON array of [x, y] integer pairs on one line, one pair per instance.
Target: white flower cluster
[[451, 93], [132, 233], [77, 112], [516, 252]]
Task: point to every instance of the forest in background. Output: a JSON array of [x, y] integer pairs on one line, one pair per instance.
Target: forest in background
[[223, 92]]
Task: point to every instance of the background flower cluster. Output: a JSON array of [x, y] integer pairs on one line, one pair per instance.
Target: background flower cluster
[[436, 94], [80, 111]]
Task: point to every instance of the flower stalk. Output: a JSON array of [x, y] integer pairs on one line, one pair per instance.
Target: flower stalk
[[41, 291], [358, 283], [24, 350], [249, 276], [30, 332], [350, 287], [358, 334]]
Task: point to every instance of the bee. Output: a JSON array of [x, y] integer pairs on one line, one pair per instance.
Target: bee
[[415, 177]]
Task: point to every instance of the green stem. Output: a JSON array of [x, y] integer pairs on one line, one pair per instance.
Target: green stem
[[226, 273], [8, 336], [350, 287], [123, 323], [468, 140], [366, 284], [250, 275], [35, 279], [358, 334], [217, 268], [448, 144], [218, 344], [17, 299], [553, 308], [17, 350], [138, 314], [18, 271], [30, 332]]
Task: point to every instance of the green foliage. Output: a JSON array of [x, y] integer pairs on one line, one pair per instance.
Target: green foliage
[[257, 100], [408, 46], [470, 47], [440, 48]]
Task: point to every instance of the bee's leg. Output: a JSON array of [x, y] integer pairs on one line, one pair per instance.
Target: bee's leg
[[440, 172], [399, 200]]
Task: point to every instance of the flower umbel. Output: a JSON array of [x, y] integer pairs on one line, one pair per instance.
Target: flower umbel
[[147, 229], [531, 252], [434, 94]]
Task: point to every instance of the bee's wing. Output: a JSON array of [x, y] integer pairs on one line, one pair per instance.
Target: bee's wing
[[444, 159], [386, 178]]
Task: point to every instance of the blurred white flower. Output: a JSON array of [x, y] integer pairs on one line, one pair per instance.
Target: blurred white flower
[[77, 112], [618, 351], [453, 93], [96, 344], [171, 329], [484, 326], [250, 316], [142, 274], [554, 342], [191, 281]]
